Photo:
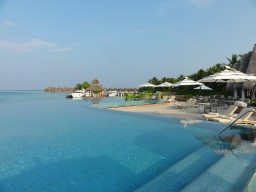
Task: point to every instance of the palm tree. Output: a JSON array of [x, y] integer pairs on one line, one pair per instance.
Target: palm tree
[[181, 77], [235, 59], [198, 75], [78, 86], [164, 79], [154, 81]]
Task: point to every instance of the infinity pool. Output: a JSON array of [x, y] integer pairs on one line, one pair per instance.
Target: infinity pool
[[49, 143]]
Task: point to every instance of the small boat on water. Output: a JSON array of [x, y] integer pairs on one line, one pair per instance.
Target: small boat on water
[[111, 94], [78, 93]]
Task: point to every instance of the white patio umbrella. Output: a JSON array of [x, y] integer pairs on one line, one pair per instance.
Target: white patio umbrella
[[186, 82], [147, 85], [203, 87], [165, 84], [229, 75]]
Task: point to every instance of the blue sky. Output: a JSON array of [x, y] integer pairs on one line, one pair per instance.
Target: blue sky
[[122, 43]]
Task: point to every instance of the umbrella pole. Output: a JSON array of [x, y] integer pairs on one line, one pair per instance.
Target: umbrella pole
[[198, 92], [170, 90], [253, 90]]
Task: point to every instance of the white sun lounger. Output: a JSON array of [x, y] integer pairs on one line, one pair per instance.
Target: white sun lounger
[[189, 104], [242, 119], [229, 112]]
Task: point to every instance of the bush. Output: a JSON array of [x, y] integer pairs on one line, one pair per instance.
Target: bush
[[253, 103], [188, 96], [138, 96]]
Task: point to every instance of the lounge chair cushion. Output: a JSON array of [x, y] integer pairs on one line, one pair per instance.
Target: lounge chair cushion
[[227, 113], [242, 117]]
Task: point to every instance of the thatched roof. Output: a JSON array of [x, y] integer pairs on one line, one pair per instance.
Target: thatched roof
[[95, 81], [251, 69], [252, 64], [246, 65], [95, 87]]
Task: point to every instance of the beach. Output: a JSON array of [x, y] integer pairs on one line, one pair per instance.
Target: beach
[[167, 109]]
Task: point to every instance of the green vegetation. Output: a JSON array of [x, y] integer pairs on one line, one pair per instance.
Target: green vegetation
[[195, 76], [218, 88], [235, 59], [138, 96], [189, 91], [188, 96], [83, 85], [253, 103]]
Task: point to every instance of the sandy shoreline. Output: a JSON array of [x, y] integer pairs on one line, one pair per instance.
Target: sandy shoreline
[[166, 109]]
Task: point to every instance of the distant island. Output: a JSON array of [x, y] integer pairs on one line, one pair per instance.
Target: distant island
[[59, 89]]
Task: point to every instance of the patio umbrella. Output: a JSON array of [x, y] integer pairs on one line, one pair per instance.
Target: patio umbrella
[[165, 84], [203, 87], [186, 82], [229, 75], [147, 85]]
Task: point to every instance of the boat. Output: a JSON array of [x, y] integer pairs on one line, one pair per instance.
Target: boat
[[112, 94], [78, 94]]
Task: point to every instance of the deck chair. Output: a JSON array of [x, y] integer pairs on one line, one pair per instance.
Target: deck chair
[[242, 119], [227, 113], [188, 104], [171, 99]]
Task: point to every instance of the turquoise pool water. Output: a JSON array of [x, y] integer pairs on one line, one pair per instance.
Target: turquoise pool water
[[50, 143]]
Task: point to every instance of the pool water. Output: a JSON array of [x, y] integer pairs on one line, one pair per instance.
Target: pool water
[[50, 143]]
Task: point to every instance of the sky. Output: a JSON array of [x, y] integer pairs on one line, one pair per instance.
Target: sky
[[122, 43]]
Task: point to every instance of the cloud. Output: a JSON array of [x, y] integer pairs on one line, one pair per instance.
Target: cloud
[[9, 23], [31, 45]]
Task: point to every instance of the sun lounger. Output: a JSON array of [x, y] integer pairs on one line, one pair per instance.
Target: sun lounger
[[242, 119], [171, 99], [227, 113], [189, 104]]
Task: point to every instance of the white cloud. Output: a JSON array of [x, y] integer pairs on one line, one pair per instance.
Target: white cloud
[[9, 23], [31, 45]]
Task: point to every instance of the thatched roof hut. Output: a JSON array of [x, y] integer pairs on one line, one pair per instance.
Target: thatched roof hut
[[247, 65], [241, 66], [95, 87], [251, 69]]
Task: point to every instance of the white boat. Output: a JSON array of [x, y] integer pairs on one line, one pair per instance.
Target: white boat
[[112, 93], [78, 94]]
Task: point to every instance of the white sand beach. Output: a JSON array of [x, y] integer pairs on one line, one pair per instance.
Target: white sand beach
[[167, 109]]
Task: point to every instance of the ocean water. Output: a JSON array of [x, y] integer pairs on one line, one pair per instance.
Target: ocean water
[[50, 143]]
